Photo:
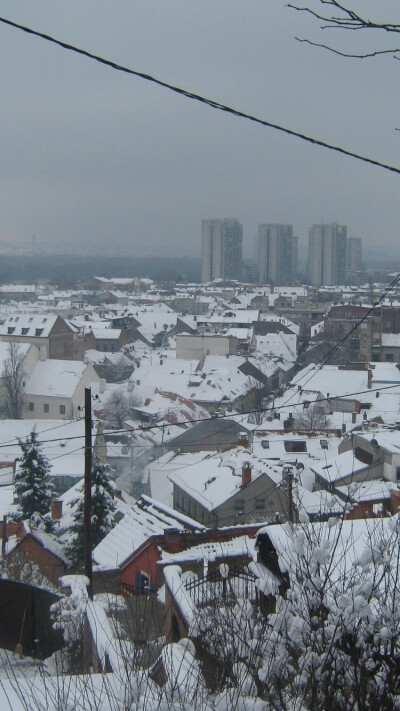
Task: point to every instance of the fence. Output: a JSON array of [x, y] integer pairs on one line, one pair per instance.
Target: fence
[[213, 586]]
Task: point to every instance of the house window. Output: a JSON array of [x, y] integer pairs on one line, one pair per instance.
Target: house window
[[142, 582], [239, 505], [18, 558], [260, 503], [62, 409], [46, 408], [31, 406]]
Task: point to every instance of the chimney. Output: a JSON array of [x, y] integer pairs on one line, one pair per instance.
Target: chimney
[[246, 473], [353, 418], [56, 511], [172, 540], [102, 386], [243, 440]]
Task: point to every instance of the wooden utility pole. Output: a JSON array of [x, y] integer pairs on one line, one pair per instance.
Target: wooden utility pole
[[87, 511], [4, 539], [290, 495]]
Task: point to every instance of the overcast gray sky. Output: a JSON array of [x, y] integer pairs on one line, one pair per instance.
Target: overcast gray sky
[[92, 156]]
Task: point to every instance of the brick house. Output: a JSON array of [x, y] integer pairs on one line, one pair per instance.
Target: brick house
[[52, 335], [26, 545]]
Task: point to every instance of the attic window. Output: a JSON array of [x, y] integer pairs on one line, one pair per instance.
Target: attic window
[[31, 319], [295, 446], [10, 330], [44, 320], [38, 331], [24, 331]]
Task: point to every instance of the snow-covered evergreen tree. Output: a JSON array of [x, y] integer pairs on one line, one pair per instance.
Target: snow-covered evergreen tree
[[103, 512], [33, 487]]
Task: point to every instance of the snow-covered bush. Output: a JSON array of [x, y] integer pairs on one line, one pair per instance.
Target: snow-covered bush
[[333, 640]]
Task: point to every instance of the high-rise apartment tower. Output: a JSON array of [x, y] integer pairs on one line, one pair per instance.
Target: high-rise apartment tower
[[354, 254], [327, 252], [277, 254], [221, 249]]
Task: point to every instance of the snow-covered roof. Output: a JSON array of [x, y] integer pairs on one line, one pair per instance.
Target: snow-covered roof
[[374, 490], [102, 333], [146, 518], [218, 476], [49, 542], [240, 546], [28, 324], [18, 288], [391, 340], [220, 378], [338, 466], [330, 379], [56, 378], [344, 543], [61, 442], [277, 344]]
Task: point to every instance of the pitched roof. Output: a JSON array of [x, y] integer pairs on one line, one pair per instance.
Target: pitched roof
[[147, 518], [29, 325]]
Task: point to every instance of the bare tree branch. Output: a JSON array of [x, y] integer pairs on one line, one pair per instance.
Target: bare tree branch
[[350, 20], [12, 382], [350, 55]]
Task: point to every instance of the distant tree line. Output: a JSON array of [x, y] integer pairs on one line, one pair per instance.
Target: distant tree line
[[66, 270]]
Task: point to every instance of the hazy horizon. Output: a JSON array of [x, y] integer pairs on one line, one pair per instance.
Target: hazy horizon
[[102, 161]]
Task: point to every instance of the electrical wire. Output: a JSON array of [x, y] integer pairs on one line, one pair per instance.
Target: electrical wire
[[202, 99], [230, 415], [49, 429], [344, 338]]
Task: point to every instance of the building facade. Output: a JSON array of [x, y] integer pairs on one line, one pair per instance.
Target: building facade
[[277, 254], [221, 249], [327, 254], [354, 254]]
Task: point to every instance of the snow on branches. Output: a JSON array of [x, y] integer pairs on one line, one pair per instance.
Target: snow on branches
[[33, 487], [103, 512]]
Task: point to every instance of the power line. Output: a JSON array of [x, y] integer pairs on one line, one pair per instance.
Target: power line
[[230, 415], [202, 99], [344, 338]]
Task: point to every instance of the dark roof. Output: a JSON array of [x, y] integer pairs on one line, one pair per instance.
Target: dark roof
[[221, 431]]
